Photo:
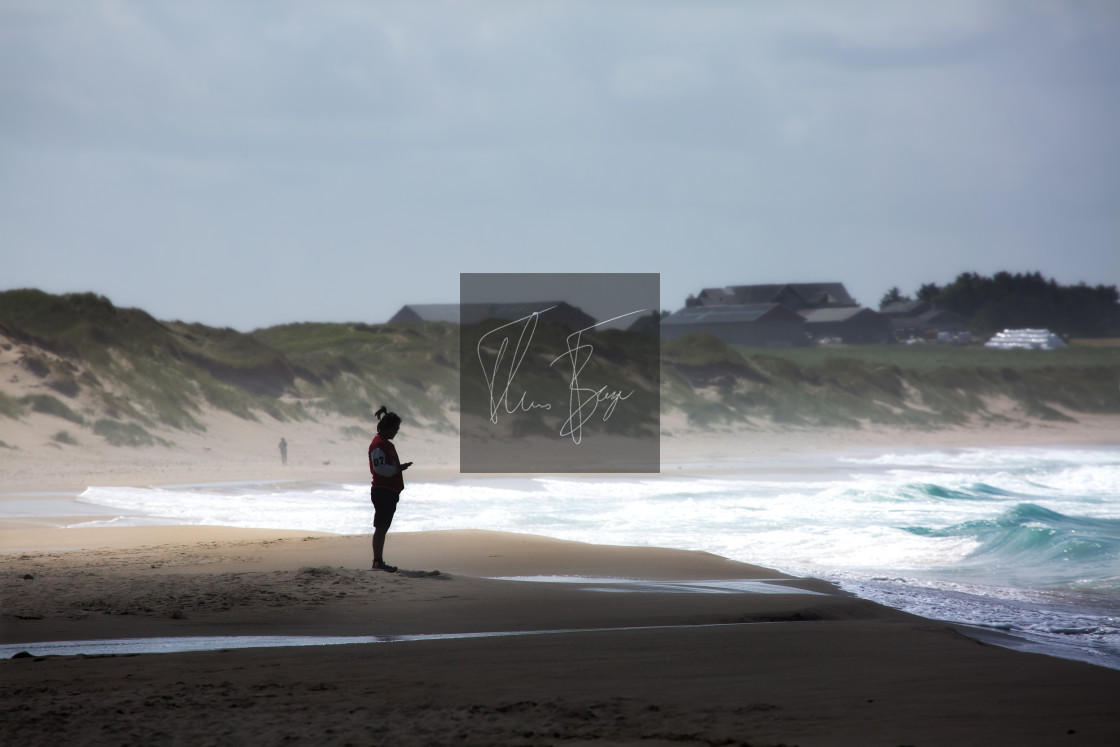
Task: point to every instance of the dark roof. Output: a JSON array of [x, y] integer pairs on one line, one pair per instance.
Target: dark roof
[[740, 294], [810, 294], [730, 314], [905, 308], [427, 312], [472, 313], [646, 323], [818, 294], [557, 311], [836, 314]]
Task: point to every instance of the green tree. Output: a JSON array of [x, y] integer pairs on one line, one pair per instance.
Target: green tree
[[1029, 300], [894, 295], [928, 291]]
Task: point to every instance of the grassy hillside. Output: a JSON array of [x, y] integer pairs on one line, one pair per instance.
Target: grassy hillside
[[95, 365], [919, 386], [131, 379], [351, 369]]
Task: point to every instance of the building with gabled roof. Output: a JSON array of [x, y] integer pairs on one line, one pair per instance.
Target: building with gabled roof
[[849, 324], [905, 308], [911, 319], [472, 313], [427, 312], [793, 296], [822, 295], [757, 325]]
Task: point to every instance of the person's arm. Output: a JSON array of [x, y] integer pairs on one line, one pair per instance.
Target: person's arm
[[379, 463]]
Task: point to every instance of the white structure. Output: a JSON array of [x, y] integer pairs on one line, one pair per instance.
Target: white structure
[[1025, 339]]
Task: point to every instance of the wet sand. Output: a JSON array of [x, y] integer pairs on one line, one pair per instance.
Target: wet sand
[[734, 668], [670, 668]]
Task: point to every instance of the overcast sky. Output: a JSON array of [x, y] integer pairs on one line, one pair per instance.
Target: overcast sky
[[246, 164]]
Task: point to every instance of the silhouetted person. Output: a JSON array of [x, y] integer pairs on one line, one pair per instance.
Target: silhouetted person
[[388, 482], [283, 451]]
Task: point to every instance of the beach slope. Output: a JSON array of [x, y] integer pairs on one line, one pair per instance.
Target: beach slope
[[780, 661]]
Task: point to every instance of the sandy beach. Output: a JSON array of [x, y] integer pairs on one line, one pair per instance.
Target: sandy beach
[[654, 668], [233, 449], [786, 661]]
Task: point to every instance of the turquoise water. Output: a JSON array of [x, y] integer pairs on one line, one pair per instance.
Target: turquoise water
[[1021, 540]]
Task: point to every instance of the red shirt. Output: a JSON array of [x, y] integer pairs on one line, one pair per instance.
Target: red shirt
[[385, 465]]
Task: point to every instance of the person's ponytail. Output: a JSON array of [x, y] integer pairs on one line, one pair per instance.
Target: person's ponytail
[[387, 422]]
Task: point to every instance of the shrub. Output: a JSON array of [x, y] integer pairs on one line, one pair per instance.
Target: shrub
[[64, 437], [10, 407], [49, 405], [122, 434]]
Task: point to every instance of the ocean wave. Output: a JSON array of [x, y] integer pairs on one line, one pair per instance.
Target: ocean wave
[[1051, 549], [1001, 459], [973, 536]]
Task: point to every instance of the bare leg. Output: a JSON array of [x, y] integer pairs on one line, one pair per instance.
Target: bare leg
[[379, 543]]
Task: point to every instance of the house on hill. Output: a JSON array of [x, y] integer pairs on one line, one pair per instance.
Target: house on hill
[[779, 314], [917, 319], [648, 324], [755, 324], [849, 324], [792, 296], [427, 312], [905, 308], [473, 313]]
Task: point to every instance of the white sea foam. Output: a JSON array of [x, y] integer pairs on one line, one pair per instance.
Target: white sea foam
[[1037, 520]]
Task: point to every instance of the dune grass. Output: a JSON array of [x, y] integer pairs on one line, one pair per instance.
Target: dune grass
[[10, 407], [64, 437], [143, 374], [126, 434], [51, 405], [914, 386]]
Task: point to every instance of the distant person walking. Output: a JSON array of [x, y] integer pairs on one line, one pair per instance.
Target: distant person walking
[[283, 451], [388, 482]]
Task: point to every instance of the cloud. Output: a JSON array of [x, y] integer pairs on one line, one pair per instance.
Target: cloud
[[658, 77], [758, 140]]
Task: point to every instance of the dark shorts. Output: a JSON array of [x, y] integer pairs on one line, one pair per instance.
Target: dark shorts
[[384, 506]]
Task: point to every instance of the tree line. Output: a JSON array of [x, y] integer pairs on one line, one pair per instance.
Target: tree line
[[1023, 300]]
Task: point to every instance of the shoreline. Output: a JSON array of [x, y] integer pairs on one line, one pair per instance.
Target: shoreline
[[236, 451], [53, 511], [53, 535], [569, 565], [821, 668], [655, 667], [158, 540], [67, 525]]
